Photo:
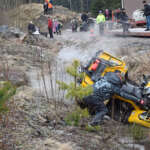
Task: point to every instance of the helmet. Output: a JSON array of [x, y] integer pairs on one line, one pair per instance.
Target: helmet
[[100, 11]]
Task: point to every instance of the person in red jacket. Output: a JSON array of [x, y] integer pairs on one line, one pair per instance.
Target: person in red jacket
[[50, 27]]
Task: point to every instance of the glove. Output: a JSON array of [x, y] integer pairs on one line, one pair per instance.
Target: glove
[[81, 104]]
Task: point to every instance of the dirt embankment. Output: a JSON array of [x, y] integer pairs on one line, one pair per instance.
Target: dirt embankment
[[22, 15]]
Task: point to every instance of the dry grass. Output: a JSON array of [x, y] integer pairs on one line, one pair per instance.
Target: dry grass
[[138, 65], [22, 15]]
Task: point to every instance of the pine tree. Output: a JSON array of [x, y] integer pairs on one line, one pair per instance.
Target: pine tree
[[6, 91], [78, 117], [74, 90], [104, 4]]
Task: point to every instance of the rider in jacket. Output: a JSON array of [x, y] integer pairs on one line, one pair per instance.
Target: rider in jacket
[[102, 90], [112, 83]]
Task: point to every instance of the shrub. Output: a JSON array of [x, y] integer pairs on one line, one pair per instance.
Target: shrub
[[92, 128], [77, 92], [73, 89], [76, 116], [6, 91]]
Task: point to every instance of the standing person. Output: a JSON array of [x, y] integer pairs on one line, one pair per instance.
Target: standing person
[[110, 14], [100, 20], [50, 27], [45, 7], [31, 28], [124, 20], [59, 27], [55, 24], [51, 1], [50, 8], [74, 24], [84, 17], [107, 14], [147, 14]]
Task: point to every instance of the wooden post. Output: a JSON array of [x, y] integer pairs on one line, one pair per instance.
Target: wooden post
[[113, 108]]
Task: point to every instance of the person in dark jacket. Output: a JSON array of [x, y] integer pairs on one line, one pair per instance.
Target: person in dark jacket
[[103, 90], [50, 27], [147, 14], [45, 7], [124, 20], [58, 28], [31, 27], [112, 83], [84, 17]]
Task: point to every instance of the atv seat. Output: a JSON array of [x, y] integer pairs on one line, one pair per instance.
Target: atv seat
[[132, 90]]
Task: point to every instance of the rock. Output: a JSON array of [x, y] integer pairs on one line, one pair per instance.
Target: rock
[[3, 29], [55, 145], [24, 92], [16, 77], [10, 32]]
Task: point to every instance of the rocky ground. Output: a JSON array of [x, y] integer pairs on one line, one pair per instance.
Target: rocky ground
[[36, 119]]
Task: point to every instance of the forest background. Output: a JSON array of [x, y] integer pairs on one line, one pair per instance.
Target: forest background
[[92, 6]]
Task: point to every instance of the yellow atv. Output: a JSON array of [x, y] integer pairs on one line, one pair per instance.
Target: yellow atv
[[120, 108], [99, 65]]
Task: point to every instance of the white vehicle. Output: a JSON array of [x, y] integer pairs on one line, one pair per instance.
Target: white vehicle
[[138, 15]]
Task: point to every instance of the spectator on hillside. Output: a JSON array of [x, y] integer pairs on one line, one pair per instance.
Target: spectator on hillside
[[50, 27], [51, 1], [74, 24], [59, 27], [117, 14], [50, 8], [107, 14], [45, 7], [84, 17], [110, 14], [147, 14], [123, 19], [100, 20], [31, 27], [55, 24]]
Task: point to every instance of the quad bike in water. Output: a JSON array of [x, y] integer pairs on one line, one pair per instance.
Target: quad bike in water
[[127, 107]]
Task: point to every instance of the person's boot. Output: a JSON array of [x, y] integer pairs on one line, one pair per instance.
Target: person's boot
[[147, 29], [97, 120]]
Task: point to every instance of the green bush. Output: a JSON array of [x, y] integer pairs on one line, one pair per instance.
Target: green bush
[[92, 128], [73, 89], [6, 91], [76, 116]]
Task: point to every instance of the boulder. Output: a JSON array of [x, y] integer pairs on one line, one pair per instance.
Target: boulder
[[16, 77], [10, 32]]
